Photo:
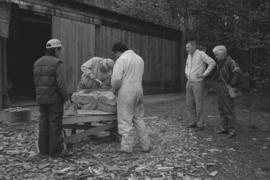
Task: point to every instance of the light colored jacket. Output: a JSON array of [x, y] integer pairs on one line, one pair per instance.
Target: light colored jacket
[[91, 70], [91, 66], [196, 65], [128, 69]]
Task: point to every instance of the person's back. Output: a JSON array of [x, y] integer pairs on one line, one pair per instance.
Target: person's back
[[51, 93], [45, 80], [127, 82], [134, 68]]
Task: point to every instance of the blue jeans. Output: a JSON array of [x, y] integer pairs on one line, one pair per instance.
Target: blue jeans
[[130, 114]]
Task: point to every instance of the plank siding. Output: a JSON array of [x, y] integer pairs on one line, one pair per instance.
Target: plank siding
[[87, 31], [1, 71], [160, 55], [78, 39]]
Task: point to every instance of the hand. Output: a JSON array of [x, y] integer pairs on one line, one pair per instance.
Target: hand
[[104, 86], [201, 76], [114, 91], [100, 82], [91, 75], [69, 96], [67, 104]]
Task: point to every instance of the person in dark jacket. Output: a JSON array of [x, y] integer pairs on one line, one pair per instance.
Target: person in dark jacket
[[51, 94], [228, 73]]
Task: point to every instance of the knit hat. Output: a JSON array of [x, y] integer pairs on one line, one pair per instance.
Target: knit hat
[[108, 63], [221, 48]]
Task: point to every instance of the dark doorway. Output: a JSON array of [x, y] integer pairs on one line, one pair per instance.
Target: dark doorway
[[32, 33]]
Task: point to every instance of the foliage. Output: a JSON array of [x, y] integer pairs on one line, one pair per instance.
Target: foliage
[[187, 11], [154, 11], [243, 26]]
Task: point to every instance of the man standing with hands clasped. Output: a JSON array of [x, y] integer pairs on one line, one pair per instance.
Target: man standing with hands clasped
[[196, 70]]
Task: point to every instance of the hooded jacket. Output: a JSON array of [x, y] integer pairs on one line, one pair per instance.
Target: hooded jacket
[[230, 72]]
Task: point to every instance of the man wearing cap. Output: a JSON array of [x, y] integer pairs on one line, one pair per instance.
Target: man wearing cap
[[51, 93], [229, 73], [97, 73], [196, 70]]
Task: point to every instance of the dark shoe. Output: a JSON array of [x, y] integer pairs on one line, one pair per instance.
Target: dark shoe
[[221, 131], [147, 151], [232, 134], [192, 126]]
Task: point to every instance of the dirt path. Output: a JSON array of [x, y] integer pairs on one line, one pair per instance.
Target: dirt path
[[178, 153]]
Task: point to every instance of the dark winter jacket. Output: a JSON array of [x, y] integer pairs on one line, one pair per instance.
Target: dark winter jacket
[[49, 80], [230, 71]]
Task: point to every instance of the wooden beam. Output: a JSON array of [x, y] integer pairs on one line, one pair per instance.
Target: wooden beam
[[79, 136], [77, 126], [84, 119], [94, 15], [3, 71], [143, 28]]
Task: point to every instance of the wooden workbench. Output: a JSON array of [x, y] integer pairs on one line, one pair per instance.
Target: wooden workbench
[[92, 122]]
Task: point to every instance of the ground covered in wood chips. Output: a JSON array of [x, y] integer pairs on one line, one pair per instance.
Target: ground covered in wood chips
[[178, 153]]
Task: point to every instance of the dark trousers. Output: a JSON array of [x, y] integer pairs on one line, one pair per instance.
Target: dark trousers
[[50, 129], [226, 108]]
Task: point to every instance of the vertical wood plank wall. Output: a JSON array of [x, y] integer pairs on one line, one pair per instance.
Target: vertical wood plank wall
[[161, 56], [78, 39], [82, 41]]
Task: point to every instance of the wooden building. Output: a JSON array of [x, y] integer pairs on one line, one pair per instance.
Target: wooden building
[[85, 31]]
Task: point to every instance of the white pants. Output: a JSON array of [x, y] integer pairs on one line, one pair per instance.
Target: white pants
[[130, 112]]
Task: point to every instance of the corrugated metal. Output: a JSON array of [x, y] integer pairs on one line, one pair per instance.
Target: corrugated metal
[[79, 45]]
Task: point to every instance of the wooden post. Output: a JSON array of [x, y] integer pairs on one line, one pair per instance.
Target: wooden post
[[183, 62], [3, 70], [2, 74], [5, 14]]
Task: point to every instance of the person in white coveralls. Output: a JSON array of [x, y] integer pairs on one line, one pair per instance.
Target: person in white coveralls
[[127, 83]]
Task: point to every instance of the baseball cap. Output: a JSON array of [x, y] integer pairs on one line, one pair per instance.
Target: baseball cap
[[54, 43]]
